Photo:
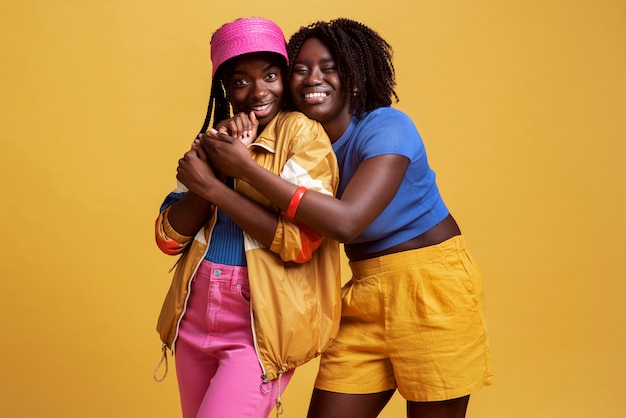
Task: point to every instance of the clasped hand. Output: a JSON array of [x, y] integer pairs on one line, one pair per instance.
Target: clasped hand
[[226, 147], [217, 153]]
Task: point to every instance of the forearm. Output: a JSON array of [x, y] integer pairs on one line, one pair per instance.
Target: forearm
[[368, 193], [258, 221], [319, 211], [189, 214]]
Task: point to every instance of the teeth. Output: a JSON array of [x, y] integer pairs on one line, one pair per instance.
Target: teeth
[[314, 95], [259, 108]]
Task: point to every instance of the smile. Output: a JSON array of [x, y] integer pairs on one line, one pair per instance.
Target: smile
[[261, 107], [314, 95]]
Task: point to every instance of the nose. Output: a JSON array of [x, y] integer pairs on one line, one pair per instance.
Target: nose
[[259, 90], [314, 77]]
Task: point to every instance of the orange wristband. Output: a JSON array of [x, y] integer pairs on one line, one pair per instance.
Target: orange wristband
[[295, 201]]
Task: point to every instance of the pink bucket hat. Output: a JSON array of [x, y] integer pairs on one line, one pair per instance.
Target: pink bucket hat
[[246, 35]]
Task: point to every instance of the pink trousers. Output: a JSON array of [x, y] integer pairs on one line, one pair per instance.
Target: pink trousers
[[219, 375]]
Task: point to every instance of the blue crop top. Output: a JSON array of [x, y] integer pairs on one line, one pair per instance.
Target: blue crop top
[[417, 206]]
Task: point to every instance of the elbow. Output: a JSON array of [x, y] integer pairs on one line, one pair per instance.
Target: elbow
[[168, 247], [346, 231]]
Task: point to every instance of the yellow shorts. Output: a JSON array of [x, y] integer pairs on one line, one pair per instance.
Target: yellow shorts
[[413, 321]]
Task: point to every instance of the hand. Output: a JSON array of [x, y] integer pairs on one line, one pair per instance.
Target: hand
[[195, 172], [241, 126], [227, 154]]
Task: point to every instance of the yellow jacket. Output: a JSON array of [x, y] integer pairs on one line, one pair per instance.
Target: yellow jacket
[[294, 288]]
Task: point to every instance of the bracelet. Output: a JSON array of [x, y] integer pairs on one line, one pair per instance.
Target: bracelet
[[295, 201]]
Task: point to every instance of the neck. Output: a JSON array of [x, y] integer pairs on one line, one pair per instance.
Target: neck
[[336, 127]]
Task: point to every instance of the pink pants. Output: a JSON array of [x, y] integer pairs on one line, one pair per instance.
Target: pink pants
[[218, 371]]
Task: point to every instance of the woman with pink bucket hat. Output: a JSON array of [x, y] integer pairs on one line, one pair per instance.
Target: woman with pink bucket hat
[[254, 293]]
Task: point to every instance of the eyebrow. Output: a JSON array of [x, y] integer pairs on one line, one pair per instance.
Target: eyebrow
[[306, 61], [265, 68]]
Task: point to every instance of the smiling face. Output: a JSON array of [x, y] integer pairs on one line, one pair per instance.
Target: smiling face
[[257, 85], [317, 90]]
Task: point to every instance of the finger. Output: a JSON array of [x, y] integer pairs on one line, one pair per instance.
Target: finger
[[255, 124], [241, 123], [250, 134], [253, 120], [201, 153], [224, 138], [229, 127]]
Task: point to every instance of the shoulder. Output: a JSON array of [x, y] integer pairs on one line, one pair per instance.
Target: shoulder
[[386, 114], [296, 120], [297, 128], [385, 121], [387, 131]]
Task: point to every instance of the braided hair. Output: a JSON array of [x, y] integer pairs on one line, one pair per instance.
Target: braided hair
[[219, 101], [364, 61]]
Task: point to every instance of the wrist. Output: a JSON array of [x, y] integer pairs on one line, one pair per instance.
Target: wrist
[[246, 171], [294, 202]]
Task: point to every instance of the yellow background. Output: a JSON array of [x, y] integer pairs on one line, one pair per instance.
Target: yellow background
[[522, 106]]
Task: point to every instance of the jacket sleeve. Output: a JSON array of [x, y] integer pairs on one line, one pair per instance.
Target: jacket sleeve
[[312, 163], [167, 239], [295, 241]]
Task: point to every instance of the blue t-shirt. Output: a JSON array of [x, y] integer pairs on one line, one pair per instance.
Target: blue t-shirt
[[417, 206]]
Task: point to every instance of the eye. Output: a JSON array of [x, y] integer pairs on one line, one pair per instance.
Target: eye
[[329, 69], [300, 69], [239, 82], [271, 76]]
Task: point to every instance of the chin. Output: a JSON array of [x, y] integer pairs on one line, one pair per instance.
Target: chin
[[313, 113]]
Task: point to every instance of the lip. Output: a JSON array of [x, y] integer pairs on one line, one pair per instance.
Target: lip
[[261, 109]]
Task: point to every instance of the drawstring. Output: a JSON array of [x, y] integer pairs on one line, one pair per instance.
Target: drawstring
[[163, 359], [279, 401]]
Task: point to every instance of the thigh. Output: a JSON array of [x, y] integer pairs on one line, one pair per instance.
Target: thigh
[[436, 324], [453, 408], [194, 371], [237, 390], [357, 362], [326, 404]]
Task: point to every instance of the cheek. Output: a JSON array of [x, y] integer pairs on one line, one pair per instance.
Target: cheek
[[236, 99], [279, 95], [293, 84]]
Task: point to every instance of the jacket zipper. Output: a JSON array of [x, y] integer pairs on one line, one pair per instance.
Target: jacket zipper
[[264, 379], [180, 319]]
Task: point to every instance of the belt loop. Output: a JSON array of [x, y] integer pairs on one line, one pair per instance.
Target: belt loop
[[238, 277]]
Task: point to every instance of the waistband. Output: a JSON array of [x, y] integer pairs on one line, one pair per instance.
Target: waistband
[[233, 275], [408, 258]]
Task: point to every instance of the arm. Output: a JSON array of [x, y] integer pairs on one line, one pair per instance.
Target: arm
[[190, 213], [299, 150], [188, 209], [168, 239], [370, 190], [182, 215]]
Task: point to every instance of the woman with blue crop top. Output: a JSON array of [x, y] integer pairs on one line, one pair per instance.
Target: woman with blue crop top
[[412, 314]]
